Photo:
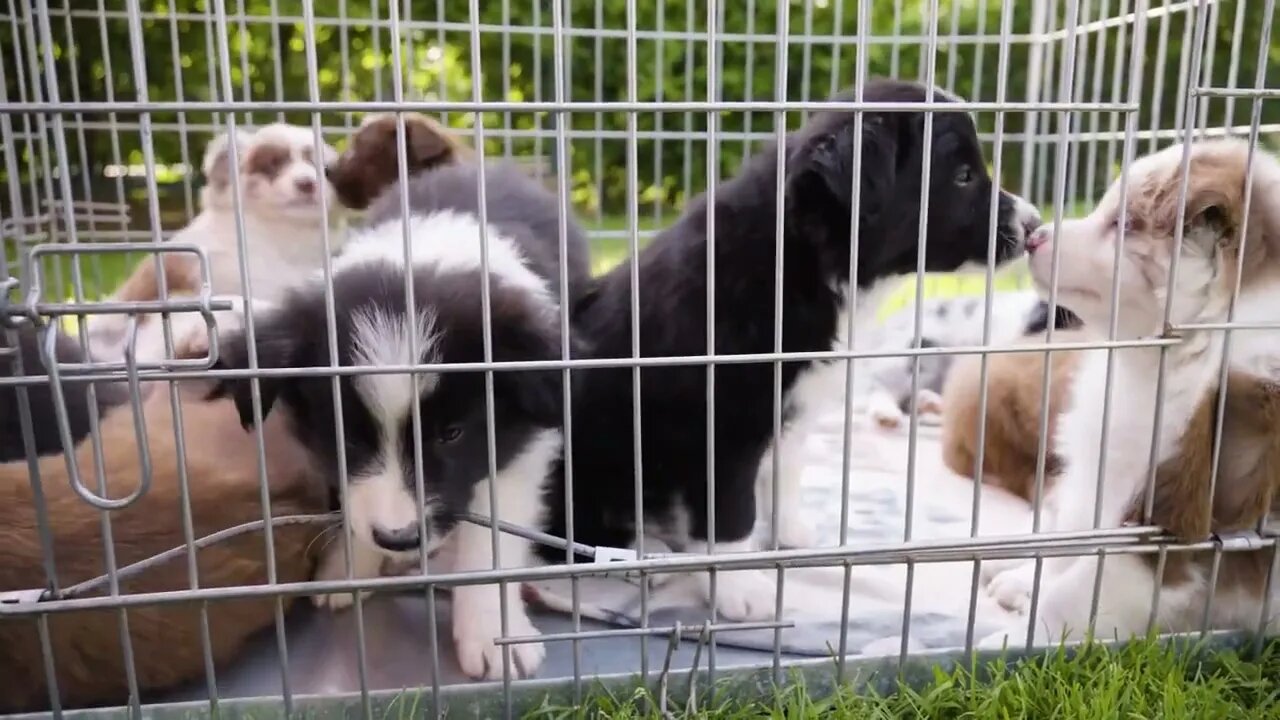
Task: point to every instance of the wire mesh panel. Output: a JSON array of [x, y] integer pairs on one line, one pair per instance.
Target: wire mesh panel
[[655, 326]]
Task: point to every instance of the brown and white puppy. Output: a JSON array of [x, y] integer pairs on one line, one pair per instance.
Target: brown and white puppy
[[1015, 398], [371, 162], [1217, 238], [223, 483], [285, 202]]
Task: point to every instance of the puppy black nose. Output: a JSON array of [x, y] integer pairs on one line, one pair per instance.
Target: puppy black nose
[[1032, 223], [306, 186], [398, 540]]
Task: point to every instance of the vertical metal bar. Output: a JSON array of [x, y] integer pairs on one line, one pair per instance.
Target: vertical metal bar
[[993, 217], [73, 57], [50, 358], [563, 121], [179, 94], [713, 177], [1035, 66], [255, 393], [277, 73], [562, 162], [1066, 91], [633, 238], [779, 257], [477, 94], [1264, 43], [47, 559], [598, 154], [1099, 61], [1233, 68], [922, 232], [855, 228]]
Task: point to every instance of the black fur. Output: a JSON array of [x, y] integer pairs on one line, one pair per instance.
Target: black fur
[[524, 326], [672, 272], [1038, 322], [44, 418], [516, 203]]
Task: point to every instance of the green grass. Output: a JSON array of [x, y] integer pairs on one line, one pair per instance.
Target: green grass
[[1142, 680]]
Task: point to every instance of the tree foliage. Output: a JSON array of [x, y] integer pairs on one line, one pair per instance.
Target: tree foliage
[[267, 41]]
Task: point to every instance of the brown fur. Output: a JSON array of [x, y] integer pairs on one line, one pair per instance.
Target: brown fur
[[1014, 400], [371, 161], [1248, 476], [181, 276], [166, 639]]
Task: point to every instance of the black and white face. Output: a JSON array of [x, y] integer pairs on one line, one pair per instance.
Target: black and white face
[[383, 449], [279, 173], [820, 177]]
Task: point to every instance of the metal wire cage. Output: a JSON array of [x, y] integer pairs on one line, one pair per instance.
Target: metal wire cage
[[628, 110]]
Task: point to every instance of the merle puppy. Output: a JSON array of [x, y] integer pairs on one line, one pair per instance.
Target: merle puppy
[[815, 294]]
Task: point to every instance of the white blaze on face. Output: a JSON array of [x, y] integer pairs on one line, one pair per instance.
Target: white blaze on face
[[378, 495]]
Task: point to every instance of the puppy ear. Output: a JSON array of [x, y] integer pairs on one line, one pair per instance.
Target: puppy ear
[[428, 142], [824, 164], [216, 165], [277, 348]]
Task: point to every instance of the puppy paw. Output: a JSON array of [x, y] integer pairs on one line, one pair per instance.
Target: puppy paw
[[885, 411], [337, 601], [743, 595], [1012, 587], [333, 567], [477, 623]]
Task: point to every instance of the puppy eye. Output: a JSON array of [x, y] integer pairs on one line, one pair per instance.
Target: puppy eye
[[450, 434], [964, 175]]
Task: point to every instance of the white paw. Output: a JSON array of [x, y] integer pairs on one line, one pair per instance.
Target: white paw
[[743, 595], [337, 601], [333, 567], [477, 623], [1012, 587], [887, 416]]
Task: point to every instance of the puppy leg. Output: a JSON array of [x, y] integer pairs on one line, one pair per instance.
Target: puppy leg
[[741, 595], [477, 609], [366, 562], [1124, 604], [794, 531], [884, 409]]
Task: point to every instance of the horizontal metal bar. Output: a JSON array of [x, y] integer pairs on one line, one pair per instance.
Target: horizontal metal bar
[[341, 130], [576, 106], [1262, 93], [682, 630], [590, 363], [1124, 541], [1235, 325], [406, 25], [1121, 20]]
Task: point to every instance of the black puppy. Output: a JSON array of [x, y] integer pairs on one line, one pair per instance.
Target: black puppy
[[815, 293], [44, 418]]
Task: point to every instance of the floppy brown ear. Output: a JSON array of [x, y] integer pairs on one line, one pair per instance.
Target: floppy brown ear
[[429, 143]]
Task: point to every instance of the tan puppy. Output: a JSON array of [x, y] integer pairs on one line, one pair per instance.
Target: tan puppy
[[222, 472], [1015, 396]]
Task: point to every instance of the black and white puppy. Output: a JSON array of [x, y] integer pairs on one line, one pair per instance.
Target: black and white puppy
[[815, 294], [373, 328]]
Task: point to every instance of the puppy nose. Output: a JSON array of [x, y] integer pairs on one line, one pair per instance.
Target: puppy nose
[[398, 540], [1031, 223], [1038, 236], [306, 186]]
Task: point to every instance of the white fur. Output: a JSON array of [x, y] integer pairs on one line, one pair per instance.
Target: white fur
[[448, 240], [1191, 370], [741, 595]]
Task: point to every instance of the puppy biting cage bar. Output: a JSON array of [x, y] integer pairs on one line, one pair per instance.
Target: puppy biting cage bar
[[627, 112]]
